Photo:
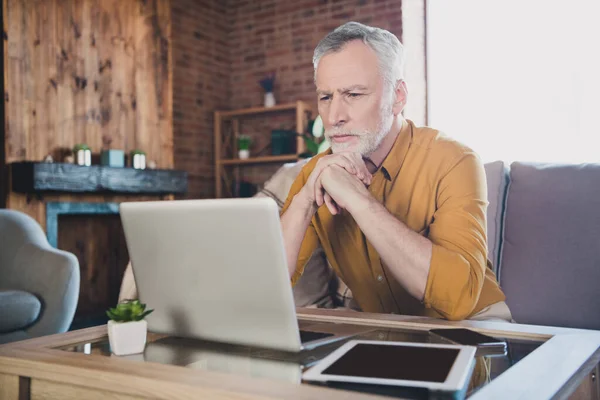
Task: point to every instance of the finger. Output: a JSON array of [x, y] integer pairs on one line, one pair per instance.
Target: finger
[[319, 192], [363, 166], [343, 162], [331, 205], [363, 173], [359, 172]]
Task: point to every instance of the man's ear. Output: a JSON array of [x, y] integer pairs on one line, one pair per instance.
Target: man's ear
[[400, 96]]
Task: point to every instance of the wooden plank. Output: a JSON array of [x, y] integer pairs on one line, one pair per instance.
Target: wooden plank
[[99, 245], [46, 390], [87, 100], [164, 71], [47, 96], [16, 136], [259, 110], [9, 387], [58, 177], [261, 160], [153, 380], [70, 73]]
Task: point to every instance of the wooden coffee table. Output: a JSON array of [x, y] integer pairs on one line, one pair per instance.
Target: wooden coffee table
[[542, 363]]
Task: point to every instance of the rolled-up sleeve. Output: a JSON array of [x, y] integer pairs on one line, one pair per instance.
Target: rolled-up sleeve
[[311, 239], [458, 234]]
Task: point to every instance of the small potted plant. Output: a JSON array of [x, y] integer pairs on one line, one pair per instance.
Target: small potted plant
[[127, 328], [82, 154], [268, 84], [244, 142], [138, 159]]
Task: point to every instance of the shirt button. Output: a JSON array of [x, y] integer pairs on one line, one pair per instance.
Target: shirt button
[[379, 278]]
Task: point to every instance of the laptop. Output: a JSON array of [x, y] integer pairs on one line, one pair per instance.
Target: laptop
[[216, 270]]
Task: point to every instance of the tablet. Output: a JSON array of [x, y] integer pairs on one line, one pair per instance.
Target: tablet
[[424, 365]]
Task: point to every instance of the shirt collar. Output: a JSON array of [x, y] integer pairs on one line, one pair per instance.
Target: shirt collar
[[395, 158]]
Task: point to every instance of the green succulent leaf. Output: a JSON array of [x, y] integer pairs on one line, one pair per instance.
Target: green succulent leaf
[[128, 310]]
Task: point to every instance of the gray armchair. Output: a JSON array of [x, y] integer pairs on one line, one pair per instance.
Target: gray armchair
[[39, 285]]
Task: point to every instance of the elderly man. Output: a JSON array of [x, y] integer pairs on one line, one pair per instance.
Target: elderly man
[[399, 210]]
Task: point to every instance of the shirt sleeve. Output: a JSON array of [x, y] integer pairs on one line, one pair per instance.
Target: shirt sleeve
[[458, 234], [311, 240]]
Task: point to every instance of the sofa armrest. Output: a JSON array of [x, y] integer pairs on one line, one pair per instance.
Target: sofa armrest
[[53, 276]]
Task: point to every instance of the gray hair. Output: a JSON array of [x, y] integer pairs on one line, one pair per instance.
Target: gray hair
[[385, 44]]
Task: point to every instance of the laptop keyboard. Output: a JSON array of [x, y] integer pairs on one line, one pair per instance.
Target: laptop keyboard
[[307, 336]]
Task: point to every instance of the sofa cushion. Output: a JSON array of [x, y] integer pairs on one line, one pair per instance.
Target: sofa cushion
[[314, 286], [497, 179], [550, 261], [18, 309]]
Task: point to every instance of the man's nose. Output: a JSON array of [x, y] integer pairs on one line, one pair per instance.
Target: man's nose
[[337, 112]]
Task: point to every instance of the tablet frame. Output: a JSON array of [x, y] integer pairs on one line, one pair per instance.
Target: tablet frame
[[455, 381]]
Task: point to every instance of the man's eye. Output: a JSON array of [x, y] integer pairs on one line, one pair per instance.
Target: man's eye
[[354, 95], [324, 98]]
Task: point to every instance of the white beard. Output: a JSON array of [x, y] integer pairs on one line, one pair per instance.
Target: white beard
[[368, 141]]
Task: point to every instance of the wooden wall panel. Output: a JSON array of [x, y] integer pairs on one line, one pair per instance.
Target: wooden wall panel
[[99, 244], [86, 71]]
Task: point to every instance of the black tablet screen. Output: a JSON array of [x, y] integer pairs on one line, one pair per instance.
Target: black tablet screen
[[395, 362]]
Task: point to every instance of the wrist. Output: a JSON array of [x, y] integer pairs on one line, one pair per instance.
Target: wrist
[[363, 204], [304, 201]]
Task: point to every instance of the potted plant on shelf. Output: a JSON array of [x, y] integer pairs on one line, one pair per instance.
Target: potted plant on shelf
[[82, 154], [127, 328], [244, 142], [138, 159], [268, 84]]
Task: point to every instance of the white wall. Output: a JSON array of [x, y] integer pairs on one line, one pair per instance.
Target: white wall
[[516, 79]]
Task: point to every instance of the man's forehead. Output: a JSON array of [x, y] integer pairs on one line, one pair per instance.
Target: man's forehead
[[354, 64]]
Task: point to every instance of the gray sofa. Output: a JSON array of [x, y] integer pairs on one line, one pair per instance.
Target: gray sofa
[[543, 240], [549, 243], [39, 285]]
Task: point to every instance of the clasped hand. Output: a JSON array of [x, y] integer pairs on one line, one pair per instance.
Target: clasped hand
[[338, 181]]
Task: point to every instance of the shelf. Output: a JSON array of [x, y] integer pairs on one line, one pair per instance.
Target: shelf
[[36, 177], [263, 110], [260, 160]]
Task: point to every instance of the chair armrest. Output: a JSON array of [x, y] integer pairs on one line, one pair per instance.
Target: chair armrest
[[53, 276]]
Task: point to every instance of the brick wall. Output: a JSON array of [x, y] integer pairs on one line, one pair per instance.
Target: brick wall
[[201, 73], [281, 35], [221, 51]]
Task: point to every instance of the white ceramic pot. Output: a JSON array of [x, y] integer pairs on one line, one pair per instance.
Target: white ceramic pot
[[139, 161], [127, 337], [269, 99], [83, 157], [244, 154]]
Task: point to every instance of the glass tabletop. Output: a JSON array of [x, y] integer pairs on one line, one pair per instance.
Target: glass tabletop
[[281, 366]]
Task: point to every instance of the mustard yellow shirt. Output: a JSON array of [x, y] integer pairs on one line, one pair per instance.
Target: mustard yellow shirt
[[437, 187]]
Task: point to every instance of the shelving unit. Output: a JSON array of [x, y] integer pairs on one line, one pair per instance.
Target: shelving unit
[[227, 130]]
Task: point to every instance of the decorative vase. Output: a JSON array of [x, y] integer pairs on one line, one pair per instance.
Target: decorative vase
[[244, 154], [269, 99], [127, 337], [112, 158]]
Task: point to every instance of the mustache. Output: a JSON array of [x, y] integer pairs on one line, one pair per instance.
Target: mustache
[[343, 132]]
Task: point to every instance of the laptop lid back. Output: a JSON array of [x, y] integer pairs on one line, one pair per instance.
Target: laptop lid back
[[213, 270]]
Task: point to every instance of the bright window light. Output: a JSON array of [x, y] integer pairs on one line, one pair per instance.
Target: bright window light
[[516, 80]]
